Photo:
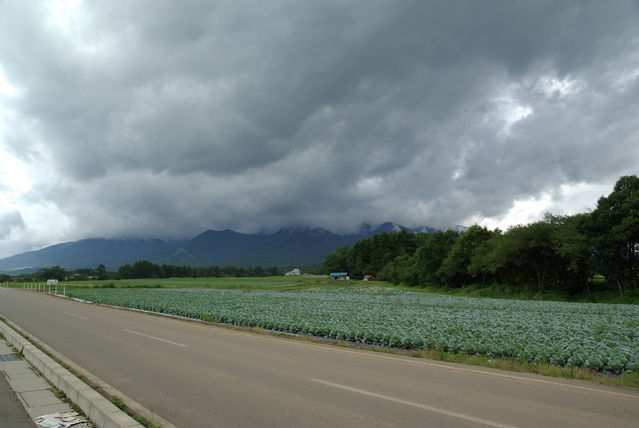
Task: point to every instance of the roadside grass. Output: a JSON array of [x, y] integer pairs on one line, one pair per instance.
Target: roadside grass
[[518, 293], [60, 395], [117, 401], [275, 283], [15, 351], [120, 404], [627, 379], [267, 283], [304, 282]]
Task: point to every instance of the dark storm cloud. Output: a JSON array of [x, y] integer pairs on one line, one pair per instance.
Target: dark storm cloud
[[170, 117]]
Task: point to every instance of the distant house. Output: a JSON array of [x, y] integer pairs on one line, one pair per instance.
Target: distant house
[[369, 278], [339, 275], [295, 271]]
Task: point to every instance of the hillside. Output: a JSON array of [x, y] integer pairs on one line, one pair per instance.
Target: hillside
[[88, 253], [286, 247]]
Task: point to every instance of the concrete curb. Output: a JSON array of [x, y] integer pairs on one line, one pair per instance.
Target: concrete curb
[[101, 411]]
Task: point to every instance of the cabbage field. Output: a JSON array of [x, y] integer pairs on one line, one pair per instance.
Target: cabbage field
[[598, 336]]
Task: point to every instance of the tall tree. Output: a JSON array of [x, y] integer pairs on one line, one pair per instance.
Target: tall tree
[[53, 272], [339, 261], [431, 254], [574, 246], [485, 262], [101, 272], [530, 249], [615, 232], [454, 269]]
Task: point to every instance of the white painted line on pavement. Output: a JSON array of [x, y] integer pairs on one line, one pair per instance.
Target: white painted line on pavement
[[156, 338], [413, 404], [76, 315], [419, 362]]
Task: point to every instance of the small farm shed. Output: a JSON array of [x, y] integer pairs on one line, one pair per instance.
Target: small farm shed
[[339, 275]]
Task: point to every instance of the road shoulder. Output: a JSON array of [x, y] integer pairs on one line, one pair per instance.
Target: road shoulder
[[30, 375]]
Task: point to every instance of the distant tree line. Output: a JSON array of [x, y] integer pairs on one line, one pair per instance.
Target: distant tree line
[[146, 269], [143, 269], [559, 253]]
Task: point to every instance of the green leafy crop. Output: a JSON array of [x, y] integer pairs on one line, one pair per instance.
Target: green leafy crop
[[597, 336]]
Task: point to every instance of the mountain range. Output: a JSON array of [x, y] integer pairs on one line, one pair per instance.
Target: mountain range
[[286, 247]]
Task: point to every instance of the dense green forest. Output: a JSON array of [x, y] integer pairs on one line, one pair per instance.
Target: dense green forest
[[559, 253], [144, 269]]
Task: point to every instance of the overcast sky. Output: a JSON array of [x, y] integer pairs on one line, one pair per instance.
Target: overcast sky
[[166, 118]]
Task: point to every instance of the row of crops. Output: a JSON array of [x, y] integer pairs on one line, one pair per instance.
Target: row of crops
[[601, 337]]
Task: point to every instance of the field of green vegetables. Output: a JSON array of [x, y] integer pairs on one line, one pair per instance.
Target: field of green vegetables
[[598, 336], [269, 282]]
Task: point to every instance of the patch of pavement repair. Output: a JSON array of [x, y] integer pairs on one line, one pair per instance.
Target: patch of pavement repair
[[29, 379]]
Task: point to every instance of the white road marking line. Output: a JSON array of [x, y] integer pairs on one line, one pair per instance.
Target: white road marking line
[[413, 404], [420, 362], [76, 315], [156, 338]]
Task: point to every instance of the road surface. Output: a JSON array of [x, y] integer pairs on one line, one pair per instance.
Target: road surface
[[196, 375]]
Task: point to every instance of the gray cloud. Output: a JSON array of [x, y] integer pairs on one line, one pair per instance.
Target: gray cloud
[[9, 221], [172, 117]]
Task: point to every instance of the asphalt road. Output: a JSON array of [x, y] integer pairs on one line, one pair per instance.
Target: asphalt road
[[196, 375]]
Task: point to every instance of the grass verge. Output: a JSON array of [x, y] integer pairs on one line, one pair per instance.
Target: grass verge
[[63, 397], [627, 379], [120, 404], [518, 293]]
